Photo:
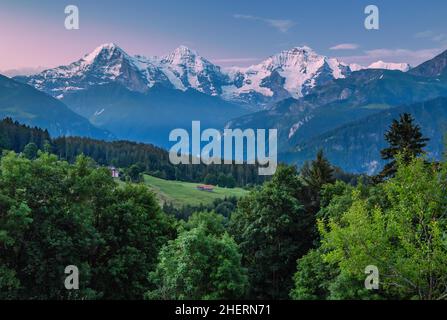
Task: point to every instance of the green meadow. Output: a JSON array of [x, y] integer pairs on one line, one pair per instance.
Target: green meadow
[[185, 193]]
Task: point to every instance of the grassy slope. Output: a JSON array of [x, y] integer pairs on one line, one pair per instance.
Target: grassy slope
[[185, 193]]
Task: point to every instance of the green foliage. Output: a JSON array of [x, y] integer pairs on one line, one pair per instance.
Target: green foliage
[[202, 263], [318, 173], [211, 222], [211, 179], [405, 238], [53, 214], [135, 157], [273, 230], [14, 222], [313, 277], [315, 175], [222, 206], [226, 181], [30, 151], [134, 229], [135, 172]]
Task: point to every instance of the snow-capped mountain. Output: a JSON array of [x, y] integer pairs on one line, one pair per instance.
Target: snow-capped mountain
[[356, 67], [182, 69], [187, 69], [107, 63], [291, 73], [139, 98], [404, 67]]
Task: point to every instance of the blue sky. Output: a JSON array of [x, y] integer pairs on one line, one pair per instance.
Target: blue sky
[[228, 32]]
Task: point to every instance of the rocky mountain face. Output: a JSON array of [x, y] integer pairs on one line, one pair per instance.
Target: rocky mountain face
[[150, 116], [188, 70], [182, 69], [291, 73], [435, 67], [107, 63]]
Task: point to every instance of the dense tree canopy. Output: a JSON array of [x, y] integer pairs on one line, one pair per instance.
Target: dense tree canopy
[[54, 214], [398, 226], [202, 263], [315, 175], [273, 230]]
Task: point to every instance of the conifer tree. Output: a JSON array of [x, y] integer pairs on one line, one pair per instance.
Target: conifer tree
[[404, 138], [318, 173], [315, 175]]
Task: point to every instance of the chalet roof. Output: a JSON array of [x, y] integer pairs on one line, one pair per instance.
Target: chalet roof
[[205, 186]]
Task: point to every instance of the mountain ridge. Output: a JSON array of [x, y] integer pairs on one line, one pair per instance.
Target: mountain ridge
[[290, 73], [29, 106], [342, 145]]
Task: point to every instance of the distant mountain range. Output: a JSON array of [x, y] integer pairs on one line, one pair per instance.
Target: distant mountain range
[[291, 73], [404, 67], [140, 98], [22, 71], [182, 69], [306, 96]]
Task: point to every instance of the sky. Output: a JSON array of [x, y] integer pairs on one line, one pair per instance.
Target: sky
[[227, 32]]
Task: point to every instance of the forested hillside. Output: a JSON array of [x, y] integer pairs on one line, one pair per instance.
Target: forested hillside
[[356, 146], [15, 136], [124, 154]]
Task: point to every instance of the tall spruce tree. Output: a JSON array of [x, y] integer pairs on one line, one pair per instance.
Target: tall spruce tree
[[404, 138], [315, 175]]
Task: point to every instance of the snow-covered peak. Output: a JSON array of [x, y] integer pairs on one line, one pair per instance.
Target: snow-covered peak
[[294, 57], [182, 55], [404, 67], [105, 51], [356, 67], [183, 50], [105, 64], [185, 68], [105, 47], [299, 51], [289, 73]]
